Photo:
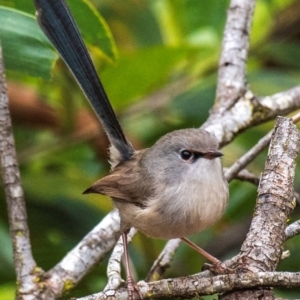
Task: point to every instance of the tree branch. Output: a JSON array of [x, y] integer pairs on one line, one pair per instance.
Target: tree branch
[[248, 157], [193, 286], [248, 111], [245, 175], [91, 249], [275, 200], [292, 230], [25, 266], [114, 263], [262, 248], [232, 82]]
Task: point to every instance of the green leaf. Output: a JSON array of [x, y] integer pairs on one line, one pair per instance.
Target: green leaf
[[94, 29], [25, 48]]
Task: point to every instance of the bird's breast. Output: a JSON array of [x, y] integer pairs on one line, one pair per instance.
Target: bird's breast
[[192, 215], [185, 208]]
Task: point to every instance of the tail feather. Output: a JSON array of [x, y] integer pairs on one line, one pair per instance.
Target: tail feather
[[56, 21]]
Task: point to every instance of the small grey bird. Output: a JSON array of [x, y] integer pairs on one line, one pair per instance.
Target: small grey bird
[[171, 190]]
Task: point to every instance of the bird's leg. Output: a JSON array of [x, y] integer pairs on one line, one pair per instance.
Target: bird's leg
[[217, 266], [131, 285], [209, 257]]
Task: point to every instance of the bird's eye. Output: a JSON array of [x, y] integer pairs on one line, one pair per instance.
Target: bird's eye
[[186, 154]]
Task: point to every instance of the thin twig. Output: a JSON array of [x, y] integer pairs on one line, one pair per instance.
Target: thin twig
[[114, 264], [245, 175], [163, 261], [248, 157], [292, 230], [232, 82]]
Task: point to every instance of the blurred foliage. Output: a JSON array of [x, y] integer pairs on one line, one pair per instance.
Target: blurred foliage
[[139, 47]]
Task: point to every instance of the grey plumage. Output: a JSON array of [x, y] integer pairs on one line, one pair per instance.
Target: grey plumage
[[164, 196]]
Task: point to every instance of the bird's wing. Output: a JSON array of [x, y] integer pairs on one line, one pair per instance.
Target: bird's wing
[[124, 183]]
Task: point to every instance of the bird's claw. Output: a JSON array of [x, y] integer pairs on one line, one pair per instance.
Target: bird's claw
[[218, 268], [133, 290]]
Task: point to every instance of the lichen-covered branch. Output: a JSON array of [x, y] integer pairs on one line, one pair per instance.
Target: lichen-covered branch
[[262, 249], [292, 230], [248, 157], [275, 200], [193, 286], [232, 82], [91, 249], [245, 175], [114, 263], [25, 266], [251, 110]]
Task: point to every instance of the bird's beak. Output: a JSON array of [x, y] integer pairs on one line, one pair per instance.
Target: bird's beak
[[213, 154]]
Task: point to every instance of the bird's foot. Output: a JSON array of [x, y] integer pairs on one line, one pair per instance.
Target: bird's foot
[[133, 289], [218, 268]]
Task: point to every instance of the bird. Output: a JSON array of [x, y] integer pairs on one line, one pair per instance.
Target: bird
[[171, 190]]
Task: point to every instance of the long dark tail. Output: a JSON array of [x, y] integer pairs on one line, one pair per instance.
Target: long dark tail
[[56, 21]]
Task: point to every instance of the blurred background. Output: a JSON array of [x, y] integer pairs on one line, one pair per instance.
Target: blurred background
[[158, 62]]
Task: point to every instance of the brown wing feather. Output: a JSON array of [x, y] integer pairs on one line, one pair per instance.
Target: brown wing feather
[[123, 183]]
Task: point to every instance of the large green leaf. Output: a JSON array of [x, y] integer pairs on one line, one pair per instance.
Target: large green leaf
[[25, 48], [90, 22]]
